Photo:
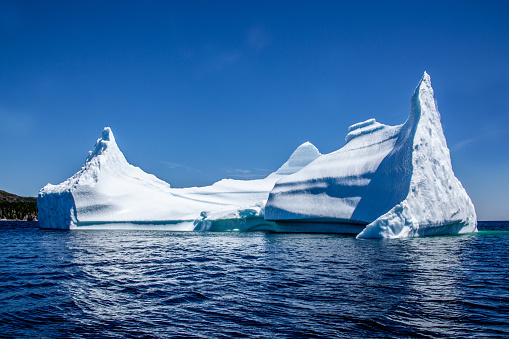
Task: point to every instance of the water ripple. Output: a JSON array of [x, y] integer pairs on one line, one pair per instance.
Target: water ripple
[[150, 284]]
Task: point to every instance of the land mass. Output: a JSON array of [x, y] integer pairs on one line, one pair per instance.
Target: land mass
[[14, 207]]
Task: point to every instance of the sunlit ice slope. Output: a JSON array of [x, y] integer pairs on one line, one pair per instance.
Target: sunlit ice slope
[[386, 182], [108, 192]]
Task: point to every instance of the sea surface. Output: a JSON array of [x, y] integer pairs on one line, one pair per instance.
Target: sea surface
[[151, 284]]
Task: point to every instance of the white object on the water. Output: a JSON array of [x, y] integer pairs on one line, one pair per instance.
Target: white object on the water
[[397, 180], [108, 192]]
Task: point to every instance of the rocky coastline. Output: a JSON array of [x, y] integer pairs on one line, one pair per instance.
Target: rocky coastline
[[14, 207]]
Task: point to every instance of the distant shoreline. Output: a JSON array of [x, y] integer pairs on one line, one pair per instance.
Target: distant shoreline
[[16, 208]]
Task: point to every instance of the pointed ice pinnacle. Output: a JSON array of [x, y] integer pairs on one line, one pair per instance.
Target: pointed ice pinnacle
[[396, 180], [102, 143], [436, 202]]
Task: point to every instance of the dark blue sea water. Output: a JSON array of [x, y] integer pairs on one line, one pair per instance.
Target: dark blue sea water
[[148, 284]]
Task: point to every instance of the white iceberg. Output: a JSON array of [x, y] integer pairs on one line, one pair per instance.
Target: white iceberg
[[108, 192], [386, 182]]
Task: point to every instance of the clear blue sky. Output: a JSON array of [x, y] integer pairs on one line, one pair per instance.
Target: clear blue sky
[[196, 91]]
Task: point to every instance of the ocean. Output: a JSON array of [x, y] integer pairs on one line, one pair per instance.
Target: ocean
[[152, 284]]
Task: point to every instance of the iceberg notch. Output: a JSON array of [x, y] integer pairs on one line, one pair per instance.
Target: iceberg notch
[[386, 182]]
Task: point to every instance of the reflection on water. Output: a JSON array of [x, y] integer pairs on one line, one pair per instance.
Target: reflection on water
[[154, 283]]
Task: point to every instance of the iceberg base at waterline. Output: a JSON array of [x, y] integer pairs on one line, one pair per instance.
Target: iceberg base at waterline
[[385, 182]]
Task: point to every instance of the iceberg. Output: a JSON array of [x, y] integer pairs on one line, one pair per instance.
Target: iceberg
[[108, 192], [386, 182]]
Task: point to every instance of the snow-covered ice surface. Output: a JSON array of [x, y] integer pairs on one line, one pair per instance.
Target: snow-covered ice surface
[[386, 182], [108, 192]]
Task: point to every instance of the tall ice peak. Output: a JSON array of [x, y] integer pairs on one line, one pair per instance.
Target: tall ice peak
[[423, 102], [424, 85], [107, 141], [394, 183], [107, 134]]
